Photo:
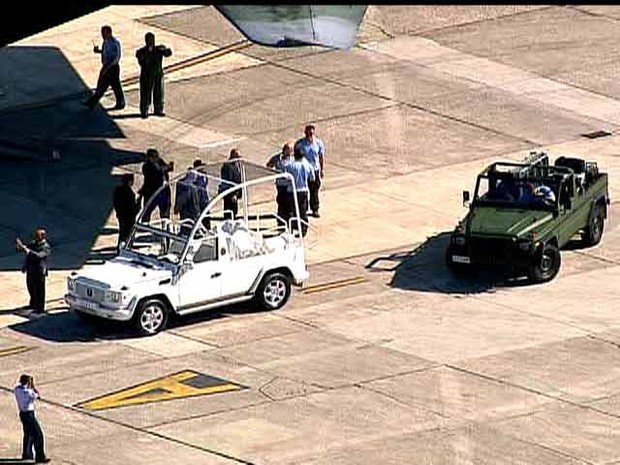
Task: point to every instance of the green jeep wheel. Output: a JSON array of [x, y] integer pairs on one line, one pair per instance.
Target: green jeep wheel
[[593, 233], [548, 266]]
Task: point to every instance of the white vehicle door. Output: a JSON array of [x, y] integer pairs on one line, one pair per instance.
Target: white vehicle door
[[241, 264], [202, 283]]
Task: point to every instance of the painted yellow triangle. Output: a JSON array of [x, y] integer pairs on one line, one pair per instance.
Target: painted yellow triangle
[[186, 383]]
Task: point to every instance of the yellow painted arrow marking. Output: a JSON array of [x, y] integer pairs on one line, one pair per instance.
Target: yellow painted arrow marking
[[174, 386]]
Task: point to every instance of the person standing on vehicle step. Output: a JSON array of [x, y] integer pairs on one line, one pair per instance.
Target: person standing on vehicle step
[[314, 148], [25, 395], [110, 73], [35, 267], [155, 172], [230, 175], [186, 203], [303, 173], [202, 182], [126, 207], [278, 162], [150, 59]]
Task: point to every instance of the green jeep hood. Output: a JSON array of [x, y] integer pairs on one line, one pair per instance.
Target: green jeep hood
[[506, 221]]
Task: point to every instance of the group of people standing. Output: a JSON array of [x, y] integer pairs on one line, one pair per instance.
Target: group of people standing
[[150, 58], [307, 166]]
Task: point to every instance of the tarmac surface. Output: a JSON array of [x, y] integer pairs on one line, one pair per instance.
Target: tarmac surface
[[385, 358]]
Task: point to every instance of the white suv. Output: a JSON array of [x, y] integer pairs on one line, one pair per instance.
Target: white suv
[[187, 266]]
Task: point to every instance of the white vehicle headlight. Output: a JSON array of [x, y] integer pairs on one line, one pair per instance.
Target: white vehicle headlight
[[113, 296], [71, 284]]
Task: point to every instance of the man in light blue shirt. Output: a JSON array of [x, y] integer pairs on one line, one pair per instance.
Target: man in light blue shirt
[[303, 175], [314, 149], [278, 162], [110, 70], [25, 395]]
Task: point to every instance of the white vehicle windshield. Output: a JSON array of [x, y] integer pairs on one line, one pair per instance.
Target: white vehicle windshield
[[158, 245]]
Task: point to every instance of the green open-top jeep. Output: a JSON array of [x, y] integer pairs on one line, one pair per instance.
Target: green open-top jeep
[[522, 214]]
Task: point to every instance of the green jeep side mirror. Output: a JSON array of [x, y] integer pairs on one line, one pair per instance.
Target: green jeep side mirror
[[465, 197]]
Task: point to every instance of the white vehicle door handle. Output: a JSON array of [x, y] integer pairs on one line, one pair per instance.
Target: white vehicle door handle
[[216, 275]]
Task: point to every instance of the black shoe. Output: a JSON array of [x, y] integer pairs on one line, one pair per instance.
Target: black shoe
[[119, 106], [159, 113], [316, 214], [144, 115], [45, 460]]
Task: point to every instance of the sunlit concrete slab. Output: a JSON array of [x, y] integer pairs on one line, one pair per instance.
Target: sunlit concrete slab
[[286, 433], [473, 443], [572, 430], [576, 369], [458, 394]]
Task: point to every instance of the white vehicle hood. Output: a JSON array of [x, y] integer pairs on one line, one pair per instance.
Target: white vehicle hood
[[121, 271]]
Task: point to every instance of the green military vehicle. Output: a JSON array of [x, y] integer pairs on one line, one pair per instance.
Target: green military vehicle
[[522, 214]]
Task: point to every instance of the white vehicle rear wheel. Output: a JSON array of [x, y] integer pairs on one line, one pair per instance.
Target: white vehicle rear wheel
[[273, 291], [151, 317]]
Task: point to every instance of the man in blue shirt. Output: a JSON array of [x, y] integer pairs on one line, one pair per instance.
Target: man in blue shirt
[[278, 162], [25, 395], [303, 174], [110, 70], [314, 149]]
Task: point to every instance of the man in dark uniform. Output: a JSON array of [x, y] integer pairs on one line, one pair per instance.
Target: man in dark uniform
[[110, 72], [35, 267], [231, 175], [126, 207], [152, 75], [155, 172], [187, 202]]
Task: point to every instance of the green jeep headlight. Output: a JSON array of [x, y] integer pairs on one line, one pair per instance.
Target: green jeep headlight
[[459, 240]]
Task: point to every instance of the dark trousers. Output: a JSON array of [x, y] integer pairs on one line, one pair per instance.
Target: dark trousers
[[112, 78], [162, 201], [35, 282], [284, 201], [151, 86], [124, 229], [33, 436], [231, 203], [313, 187], [302, 199]]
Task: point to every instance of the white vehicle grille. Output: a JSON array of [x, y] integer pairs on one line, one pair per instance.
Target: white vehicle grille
[[89, 292]]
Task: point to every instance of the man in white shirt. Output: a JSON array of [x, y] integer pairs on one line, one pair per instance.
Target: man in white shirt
[[314, 148], [25, 395]]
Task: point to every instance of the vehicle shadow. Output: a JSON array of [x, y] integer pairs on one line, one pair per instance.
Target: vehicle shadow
[[69, 327], [424, 269]]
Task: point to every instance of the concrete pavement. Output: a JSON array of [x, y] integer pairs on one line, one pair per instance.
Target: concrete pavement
[[407, 365]]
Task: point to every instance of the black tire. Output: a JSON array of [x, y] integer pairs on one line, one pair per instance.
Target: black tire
[[273, 291], [593, 233], [150, 317], [547, 266]]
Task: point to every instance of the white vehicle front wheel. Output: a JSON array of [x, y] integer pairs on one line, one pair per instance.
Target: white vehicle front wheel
[[274, 291], [151, 317]]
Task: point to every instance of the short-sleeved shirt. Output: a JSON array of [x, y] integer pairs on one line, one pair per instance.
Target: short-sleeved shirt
[[25, 397], [111, 51], [279, 164], [302, 171], [313, 150]]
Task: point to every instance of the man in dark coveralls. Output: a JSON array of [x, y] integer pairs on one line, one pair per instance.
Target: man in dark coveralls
[[126, 207], [35, 267], [150, 58], [155, 172]]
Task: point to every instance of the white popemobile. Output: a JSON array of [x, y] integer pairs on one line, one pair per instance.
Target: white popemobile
[[184, 266]]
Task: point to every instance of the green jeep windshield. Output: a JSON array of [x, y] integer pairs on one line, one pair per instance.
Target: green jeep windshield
[[504, 190]]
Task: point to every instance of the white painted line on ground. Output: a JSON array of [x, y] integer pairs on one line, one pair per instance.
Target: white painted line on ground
[[221, 142]]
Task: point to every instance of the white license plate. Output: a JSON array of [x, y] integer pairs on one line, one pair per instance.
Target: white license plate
[[460, 259], [89, 305]]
